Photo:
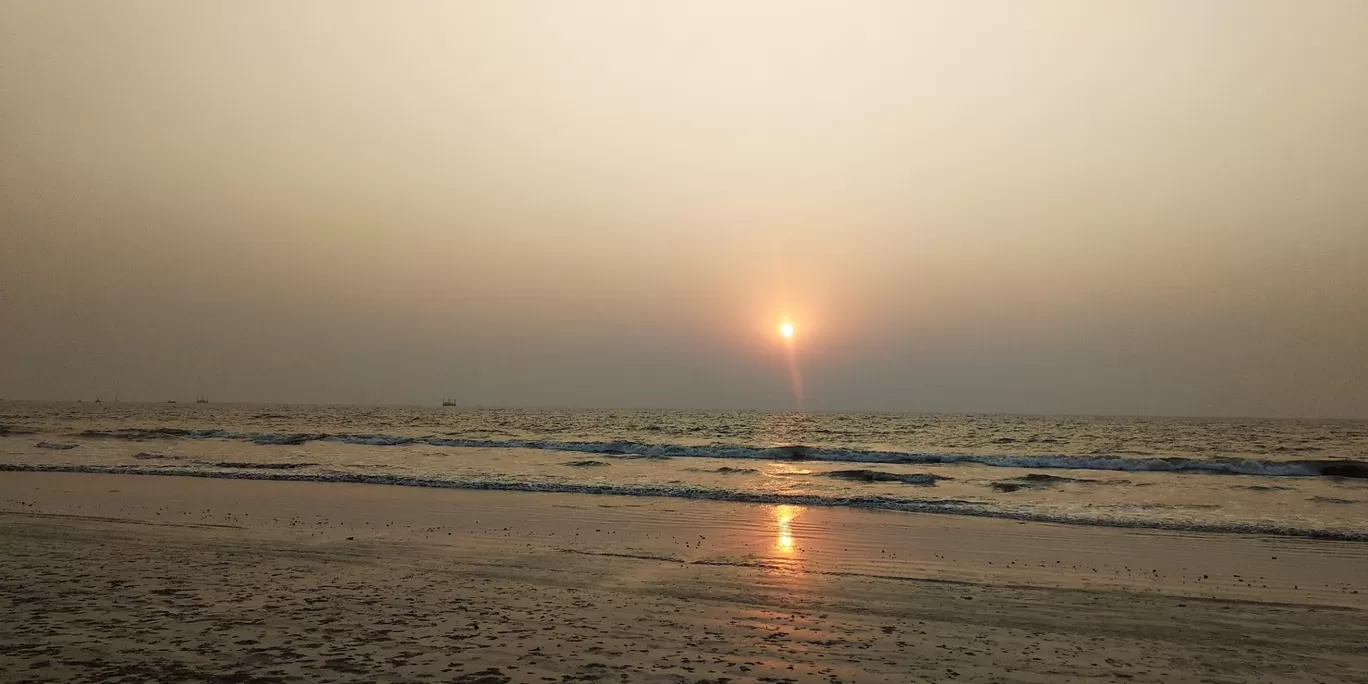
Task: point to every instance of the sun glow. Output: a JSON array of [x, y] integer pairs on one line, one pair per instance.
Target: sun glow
[[789, 343]]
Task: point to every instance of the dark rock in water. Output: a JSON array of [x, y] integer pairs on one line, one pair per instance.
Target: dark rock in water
[[56, 446], [1355, 469], [919, 479], [586, 464]]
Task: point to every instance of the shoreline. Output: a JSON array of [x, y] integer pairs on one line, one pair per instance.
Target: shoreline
[[764, 535], [941, 507], [1255, 465]]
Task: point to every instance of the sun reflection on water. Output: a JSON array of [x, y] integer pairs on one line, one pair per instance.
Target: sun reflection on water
[[783, 515]]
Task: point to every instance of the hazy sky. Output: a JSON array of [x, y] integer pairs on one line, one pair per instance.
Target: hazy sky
[[1090, 206]]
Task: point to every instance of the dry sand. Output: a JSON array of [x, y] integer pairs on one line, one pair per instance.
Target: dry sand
[[170, 579]]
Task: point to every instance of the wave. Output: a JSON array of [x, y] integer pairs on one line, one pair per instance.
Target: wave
[[1036, 481], [145, 456], [262, 466], [796, 452], [919, 479], [935, 506], [56, 446], [724, 470]]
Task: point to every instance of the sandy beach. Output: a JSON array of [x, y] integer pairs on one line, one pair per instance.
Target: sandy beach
[[703, 342], [172, 579]]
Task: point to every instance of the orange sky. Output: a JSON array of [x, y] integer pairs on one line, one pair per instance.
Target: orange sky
[[1046, 206]]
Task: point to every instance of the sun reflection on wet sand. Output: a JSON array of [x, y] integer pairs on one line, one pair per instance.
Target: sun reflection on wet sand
[[783, 515]]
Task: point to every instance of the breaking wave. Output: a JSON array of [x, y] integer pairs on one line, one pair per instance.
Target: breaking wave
[[939, 506], [628, 449]]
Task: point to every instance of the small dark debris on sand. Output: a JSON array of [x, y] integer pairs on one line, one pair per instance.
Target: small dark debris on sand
[[586, 464], [919, 479], [56, 446]]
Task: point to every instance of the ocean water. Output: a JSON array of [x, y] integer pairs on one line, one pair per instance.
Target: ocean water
[[1285, 477]]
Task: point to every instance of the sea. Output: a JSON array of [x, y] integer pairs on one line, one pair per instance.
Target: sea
[[1302, 478]]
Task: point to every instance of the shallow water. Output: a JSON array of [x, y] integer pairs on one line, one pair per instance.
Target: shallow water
[[1298, 477]]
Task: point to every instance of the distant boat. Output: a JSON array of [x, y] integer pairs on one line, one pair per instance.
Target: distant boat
[[201, 400], [448, 402], [97, 400], [170, 401]]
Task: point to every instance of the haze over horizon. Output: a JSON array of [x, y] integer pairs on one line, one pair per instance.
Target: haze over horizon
[[1056, 207]]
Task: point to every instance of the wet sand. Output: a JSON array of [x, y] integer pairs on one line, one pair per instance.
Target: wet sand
[[131, 578]]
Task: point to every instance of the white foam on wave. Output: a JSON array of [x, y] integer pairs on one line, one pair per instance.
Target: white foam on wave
[[1212, 466], [909, 505]]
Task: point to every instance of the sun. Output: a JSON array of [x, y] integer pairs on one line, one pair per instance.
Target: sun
[[786, 330]]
